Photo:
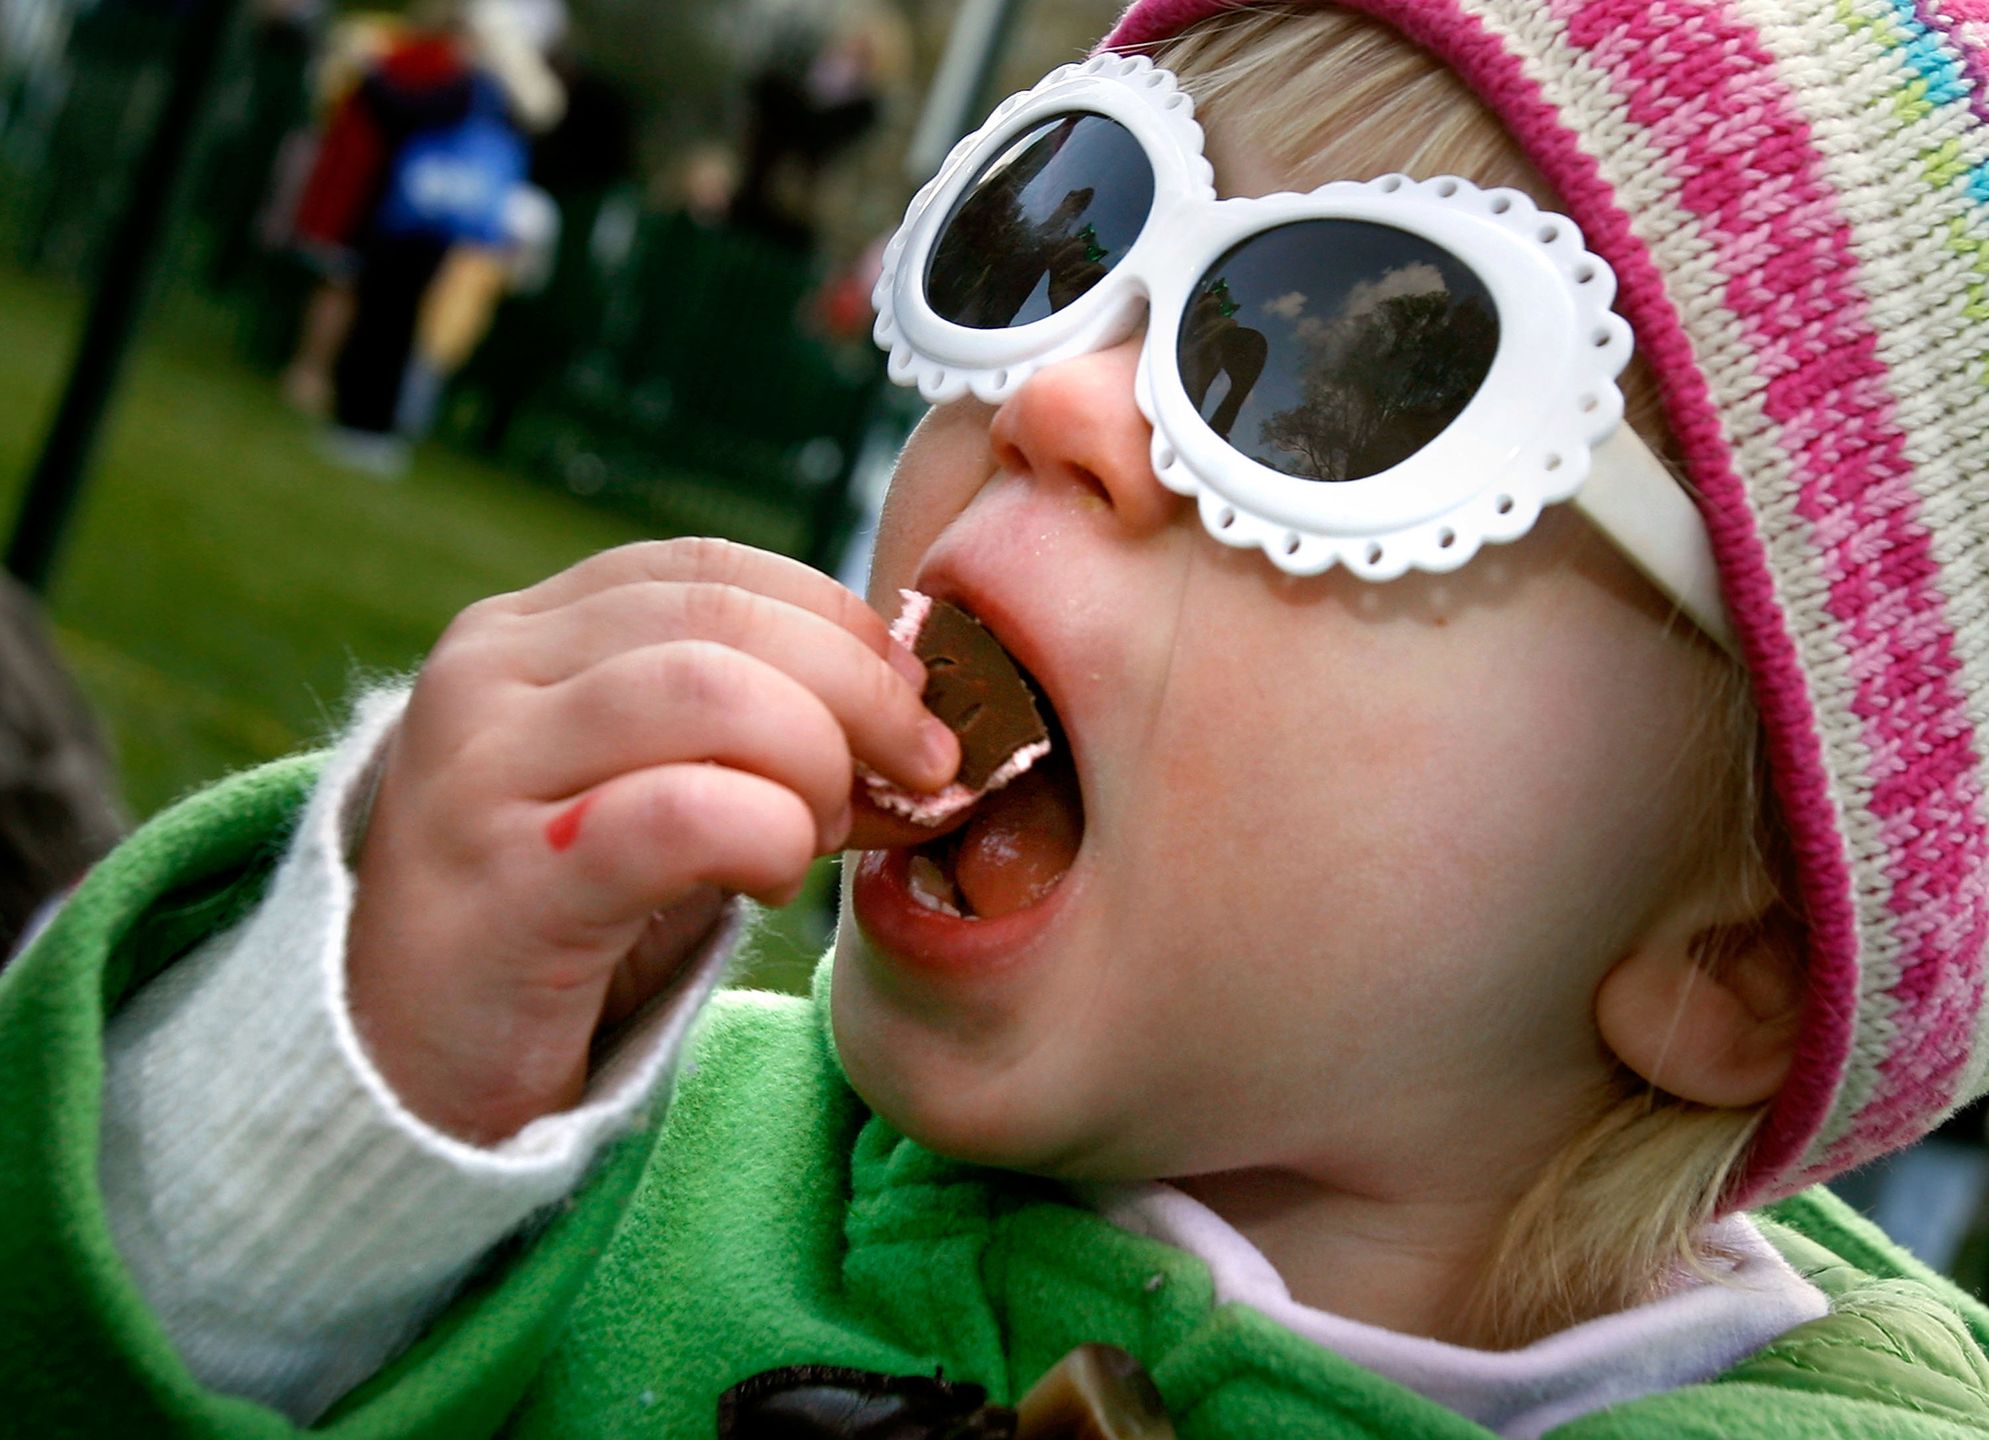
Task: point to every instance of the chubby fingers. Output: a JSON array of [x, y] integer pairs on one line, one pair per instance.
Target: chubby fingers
[[692, 701], [649, 840], [699, 700], [718, 564], [582, 652]]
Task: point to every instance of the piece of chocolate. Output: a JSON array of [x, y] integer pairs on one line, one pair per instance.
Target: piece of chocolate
[[1097, 1392], [973, 685]]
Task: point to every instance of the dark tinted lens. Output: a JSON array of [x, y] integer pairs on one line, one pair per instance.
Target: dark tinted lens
[[1041, 225], [1333, 349]]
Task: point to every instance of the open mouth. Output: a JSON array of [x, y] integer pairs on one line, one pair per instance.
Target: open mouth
[[1015, 848], [1017, 843]]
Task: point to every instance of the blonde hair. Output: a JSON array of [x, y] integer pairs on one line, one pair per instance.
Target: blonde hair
[[1623, 1207]]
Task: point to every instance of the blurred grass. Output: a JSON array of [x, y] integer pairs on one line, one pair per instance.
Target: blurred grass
[[223, 588]]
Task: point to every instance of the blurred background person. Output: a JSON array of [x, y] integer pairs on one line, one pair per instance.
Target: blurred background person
[[476, 273], [322, 207], [818, 94], [445, 113], [563, 231]]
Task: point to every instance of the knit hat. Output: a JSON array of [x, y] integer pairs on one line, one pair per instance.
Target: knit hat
[[1794, 195]]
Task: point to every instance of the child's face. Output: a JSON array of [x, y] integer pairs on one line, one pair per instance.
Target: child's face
[[1355, 856]]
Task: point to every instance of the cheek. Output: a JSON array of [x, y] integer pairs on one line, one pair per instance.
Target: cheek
[[1272, 774], [1279, 856], [943, 466], [1387, 840]]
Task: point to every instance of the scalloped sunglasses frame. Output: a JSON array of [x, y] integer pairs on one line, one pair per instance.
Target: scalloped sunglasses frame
[[1543, 425]]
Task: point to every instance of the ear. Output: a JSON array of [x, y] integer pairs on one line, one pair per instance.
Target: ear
[[1710, 1017]]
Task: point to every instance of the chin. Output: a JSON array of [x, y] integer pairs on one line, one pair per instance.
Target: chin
[[994, 1126], [969, 1138], [930, 1109], [931, 1086]]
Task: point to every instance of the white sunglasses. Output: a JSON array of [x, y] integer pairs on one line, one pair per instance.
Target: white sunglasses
[[1382, 374]]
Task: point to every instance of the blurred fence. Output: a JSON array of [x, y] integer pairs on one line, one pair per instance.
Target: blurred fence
[[666, 367], [695, 353]]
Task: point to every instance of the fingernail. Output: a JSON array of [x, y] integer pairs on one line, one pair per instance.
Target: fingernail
[[908, 665], [941, 746], [839, 828]]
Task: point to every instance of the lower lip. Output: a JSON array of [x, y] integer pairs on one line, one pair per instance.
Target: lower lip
[[930, 940]]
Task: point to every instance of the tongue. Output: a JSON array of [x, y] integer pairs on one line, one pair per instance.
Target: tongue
[[1020, 842]]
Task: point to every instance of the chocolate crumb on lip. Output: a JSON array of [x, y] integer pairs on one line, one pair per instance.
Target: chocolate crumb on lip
[[974, 686]]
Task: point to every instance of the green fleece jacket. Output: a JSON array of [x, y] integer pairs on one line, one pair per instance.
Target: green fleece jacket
[[768, 1219]]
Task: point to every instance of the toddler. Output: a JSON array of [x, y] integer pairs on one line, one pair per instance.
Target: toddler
[[1494, 857]]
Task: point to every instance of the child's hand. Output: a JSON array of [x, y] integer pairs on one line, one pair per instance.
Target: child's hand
[[585, 770]]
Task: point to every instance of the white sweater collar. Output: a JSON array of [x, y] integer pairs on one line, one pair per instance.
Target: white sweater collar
[[1687, 1336]]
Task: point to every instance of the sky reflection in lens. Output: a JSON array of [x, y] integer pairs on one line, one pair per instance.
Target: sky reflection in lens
[[1043, 223], [1333, 349]]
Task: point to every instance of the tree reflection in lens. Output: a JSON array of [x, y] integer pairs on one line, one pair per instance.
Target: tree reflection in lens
[[1043, 224], [1365, 343]]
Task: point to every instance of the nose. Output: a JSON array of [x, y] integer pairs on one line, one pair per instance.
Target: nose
[[1075, 423]]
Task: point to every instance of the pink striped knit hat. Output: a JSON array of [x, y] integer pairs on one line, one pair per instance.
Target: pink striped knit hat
[[1794, 195]]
